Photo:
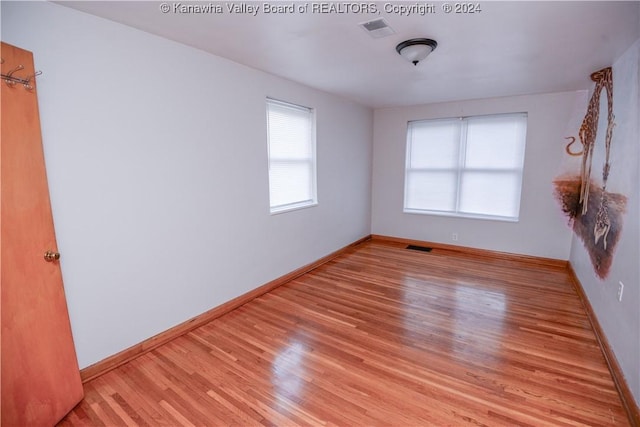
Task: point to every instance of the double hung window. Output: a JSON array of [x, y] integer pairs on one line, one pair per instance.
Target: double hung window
[[292, 156], [469, 167]]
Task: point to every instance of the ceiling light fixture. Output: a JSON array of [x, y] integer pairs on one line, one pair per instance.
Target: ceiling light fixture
[[415, 50]]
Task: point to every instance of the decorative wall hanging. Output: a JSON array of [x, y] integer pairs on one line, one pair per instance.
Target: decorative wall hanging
[[594, 213]]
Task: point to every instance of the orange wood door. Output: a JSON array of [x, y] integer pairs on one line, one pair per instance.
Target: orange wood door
[[40, 375]]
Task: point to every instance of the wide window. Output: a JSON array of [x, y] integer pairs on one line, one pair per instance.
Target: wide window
[[470, 167], [292, 156]]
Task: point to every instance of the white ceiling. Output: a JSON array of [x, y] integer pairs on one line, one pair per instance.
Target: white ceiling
[[508, 48]]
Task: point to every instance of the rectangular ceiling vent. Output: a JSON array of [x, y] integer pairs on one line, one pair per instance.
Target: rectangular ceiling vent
[[377, 28]]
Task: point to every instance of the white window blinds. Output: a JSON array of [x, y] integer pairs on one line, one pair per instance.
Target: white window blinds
[[466, 166], [292, 159]]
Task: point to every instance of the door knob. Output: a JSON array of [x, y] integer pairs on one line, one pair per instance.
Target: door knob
[[51, 256]]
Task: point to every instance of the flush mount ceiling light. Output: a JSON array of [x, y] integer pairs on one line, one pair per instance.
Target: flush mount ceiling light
[[415, 50]]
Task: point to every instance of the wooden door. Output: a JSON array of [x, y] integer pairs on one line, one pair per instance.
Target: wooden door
[[40, 375]]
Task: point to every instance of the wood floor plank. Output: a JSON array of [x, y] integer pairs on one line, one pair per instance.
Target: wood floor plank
[[381, 335]]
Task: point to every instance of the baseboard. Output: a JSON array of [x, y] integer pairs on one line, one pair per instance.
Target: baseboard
[[476, 251], [628, 401], [118, 359]]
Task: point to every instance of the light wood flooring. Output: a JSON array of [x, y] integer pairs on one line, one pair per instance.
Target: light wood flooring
[[382, 335]]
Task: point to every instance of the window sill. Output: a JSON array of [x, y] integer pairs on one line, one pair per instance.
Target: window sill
[[462, 215], [289, 208]]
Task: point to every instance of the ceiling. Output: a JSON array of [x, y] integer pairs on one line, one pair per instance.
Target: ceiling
[[506, 48]]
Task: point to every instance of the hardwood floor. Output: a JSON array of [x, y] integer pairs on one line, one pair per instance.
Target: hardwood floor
[[380, 336]]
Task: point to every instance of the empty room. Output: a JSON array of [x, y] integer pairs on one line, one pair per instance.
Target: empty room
[[292, 213]]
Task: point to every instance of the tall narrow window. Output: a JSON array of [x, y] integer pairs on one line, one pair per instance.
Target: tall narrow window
[[292, 156], [470, 167]]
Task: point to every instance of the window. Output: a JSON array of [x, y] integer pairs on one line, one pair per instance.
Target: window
[[292, 156], [469, 167]]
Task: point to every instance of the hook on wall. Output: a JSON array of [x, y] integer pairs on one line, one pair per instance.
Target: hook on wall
[[9, 79], [27, 84]]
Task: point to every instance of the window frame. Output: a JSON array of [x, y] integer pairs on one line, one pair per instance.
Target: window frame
[[460, 168], [312, 161]]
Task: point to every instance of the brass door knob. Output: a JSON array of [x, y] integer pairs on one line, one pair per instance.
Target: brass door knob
[[51, 256]]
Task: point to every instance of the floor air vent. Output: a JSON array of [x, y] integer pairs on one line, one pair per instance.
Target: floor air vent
[[419, 248]]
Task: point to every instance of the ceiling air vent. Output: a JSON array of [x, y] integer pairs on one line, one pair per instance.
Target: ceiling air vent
[[377, 28]]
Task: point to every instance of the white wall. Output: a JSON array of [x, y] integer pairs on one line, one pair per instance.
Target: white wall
[[620, 320], [541, 230], [157, 164]]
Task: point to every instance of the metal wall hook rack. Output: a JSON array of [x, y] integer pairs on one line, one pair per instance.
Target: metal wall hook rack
[[11, 80]]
